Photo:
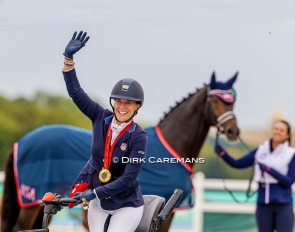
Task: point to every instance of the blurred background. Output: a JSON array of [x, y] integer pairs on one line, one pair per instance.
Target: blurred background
[[171, 47]]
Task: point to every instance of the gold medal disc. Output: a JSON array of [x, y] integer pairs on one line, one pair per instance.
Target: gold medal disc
[[104, 175]]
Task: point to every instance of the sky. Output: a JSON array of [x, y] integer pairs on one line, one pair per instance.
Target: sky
[[170, 46]]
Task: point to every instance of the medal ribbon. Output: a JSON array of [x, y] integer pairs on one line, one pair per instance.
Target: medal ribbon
[[108, 150]]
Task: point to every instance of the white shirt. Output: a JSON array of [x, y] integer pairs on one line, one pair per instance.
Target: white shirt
[[116, 128], [279, 159]]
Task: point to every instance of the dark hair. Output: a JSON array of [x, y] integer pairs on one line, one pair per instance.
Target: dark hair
[[288, 129]]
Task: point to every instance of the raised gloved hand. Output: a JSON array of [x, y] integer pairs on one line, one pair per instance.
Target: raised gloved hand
[[219, 149], [75, 44], [88, 195], [77, 188], [263, 167]]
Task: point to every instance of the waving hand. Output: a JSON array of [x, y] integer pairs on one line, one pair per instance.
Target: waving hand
[[75, 44]]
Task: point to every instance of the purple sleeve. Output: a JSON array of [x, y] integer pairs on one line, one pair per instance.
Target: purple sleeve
[[89, 107], [243, 162], [287, 180]]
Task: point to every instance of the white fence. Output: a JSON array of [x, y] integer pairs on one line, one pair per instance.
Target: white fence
[[2, 177], [201, 206]]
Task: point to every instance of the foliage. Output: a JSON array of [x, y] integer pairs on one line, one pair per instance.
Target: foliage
[[21, 115]]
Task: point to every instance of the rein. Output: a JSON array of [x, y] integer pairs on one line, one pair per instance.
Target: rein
[[248, 192]]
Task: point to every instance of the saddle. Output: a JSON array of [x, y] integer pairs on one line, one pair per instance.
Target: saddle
[[153, 205]]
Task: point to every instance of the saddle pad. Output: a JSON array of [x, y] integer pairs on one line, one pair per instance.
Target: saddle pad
[[157, 178], [48, 159]]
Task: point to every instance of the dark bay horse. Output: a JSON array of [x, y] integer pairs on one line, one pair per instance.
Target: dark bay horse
[[181, 133]]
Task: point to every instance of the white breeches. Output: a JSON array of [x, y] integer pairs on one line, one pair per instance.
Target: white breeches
[[125, 219]]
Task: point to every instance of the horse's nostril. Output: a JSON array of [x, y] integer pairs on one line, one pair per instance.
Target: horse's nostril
[[232, 132], [229, 131]]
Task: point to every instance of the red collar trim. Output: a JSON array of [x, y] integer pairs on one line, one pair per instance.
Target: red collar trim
[[171, 149], [19, 196]]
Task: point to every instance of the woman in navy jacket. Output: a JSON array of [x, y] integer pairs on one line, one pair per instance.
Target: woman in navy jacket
[[275, 173], [116, 201]]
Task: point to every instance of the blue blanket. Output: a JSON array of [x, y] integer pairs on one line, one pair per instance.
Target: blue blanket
[[48, 160], [161, 174]]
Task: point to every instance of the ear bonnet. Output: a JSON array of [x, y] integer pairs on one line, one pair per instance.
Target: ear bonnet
[[223, 90]]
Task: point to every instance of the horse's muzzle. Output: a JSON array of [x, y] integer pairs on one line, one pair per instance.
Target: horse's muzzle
[[232, 132]]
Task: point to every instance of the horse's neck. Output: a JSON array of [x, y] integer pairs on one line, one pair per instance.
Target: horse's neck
[[185, 127]]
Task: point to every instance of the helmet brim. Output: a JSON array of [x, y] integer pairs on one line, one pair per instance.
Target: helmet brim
[[126, 98]]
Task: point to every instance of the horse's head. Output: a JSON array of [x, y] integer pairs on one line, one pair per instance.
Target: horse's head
[[221, 99]]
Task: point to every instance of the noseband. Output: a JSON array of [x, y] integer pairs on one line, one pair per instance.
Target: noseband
[[224, 118]]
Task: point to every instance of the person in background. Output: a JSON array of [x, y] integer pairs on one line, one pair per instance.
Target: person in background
[[275, 173], [116, 201]]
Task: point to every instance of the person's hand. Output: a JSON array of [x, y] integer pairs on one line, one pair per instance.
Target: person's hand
[[263, 167], [88, 195], [77, 188], [75, 44], [219, 149]]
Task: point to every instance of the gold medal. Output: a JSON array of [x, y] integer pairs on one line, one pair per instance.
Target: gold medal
[[104, 175]]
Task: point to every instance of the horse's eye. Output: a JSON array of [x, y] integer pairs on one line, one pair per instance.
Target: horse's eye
[[214, 100]]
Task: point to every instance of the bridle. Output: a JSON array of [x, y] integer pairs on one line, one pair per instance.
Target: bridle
[[226, 116], [222, 119]]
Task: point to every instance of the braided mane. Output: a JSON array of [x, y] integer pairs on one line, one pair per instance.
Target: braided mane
[[179, 103]]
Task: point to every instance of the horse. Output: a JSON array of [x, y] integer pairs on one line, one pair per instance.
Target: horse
[[176, 139]]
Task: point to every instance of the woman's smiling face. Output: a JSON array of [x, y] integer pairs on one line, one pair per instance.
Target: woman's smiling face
[[124, 109], [280, 132]]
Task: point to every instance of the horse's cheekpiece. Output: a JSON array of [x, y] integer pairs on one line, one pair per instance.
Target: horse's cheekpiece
[[104, 175], [227, 96]]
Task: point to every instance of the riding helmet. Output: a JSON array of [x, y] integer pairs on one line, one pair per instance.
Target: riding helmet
[[128, 89]]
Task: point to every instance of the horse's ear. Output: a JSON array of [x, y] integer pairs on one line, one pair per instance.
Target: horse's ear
[[231, 81], [213, 81]]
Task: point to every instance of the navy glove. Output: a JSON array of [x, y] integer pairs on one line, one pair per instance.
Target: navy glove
[[75, 44], [88, 195], [263, 167], [219, 149]]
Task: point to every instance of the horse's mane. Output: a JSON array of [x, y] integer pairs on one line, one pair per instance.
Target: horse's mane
[[178, 103]]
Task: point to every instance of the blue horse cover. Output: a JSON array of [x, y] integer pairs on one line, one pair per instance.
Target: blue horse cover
[[49, 158]]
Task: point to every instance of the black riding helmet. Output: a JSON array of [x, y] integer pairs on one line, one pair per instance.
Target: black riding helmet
[[128, 89]]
